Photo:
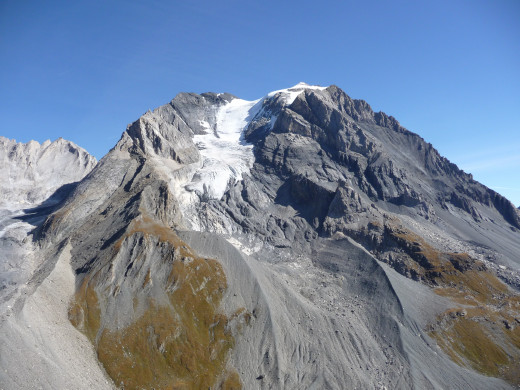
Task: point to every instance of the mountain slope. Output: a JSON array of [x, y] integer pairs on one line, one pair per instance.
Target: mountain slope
[[34, 179], [296, 241]]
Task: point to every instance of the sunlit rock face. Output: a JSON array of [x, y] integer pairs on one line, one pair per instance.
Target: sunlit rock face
[[32, 172], [299, 240], [34, 179]]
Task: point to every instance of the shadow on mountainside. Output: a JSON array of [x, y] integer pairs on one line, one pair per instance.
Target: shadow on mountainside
[[37, 215]]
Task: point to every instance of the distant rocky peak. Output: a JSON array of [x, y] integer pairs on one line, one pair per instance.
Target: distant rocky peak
[[31, 171]]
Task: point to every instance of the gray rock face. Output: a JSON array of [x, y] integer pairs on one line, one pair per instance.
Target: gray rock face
[[334, 227], [32, 172], [35, 178]]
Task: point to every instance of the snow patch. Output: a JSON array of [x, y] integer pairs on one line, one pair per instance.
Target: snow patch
[[225, 155], [247, 249], [205, 124], [290, 94]]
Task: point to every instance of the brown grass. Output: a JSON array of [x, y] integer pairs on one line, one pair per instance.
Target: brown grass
[[474, 336], [476, 340], [479, 339], [472, 341], [84, 312], [162, 351], [182, 345], [232, 381]]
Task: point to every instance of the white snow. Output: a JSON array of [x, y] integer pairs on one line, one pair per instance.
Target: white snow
[[290, 94], [225, 156], [247, 249]]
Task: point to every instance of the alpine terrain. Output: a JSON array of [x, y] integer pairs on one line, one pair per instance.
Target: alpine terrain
[[298, 241]]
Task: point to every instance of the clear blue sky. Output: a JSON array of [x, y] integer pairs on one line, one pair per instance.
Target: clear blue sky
[[448, 70]]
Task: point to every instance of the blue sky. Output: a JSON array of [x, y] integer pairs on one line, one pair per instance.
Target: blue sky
[[447, 70]]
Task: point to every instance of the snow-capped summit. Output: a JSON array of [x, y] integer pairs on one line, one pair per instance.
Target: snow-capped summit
[[291, 93], [226, 156]]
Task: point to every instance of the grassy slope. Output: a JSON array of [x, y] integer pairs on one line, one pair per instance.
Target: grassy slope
[[181, 345], [482, 330]]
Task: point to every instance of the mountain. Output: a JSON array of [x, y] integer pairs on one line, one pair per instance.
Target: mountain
[[35, 179], [32, 172], [297, 241]]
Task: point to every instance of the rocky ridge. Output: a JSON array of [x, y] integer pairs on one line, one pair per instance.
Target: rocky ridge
[[35, 178], [33, 171], [33, 313]]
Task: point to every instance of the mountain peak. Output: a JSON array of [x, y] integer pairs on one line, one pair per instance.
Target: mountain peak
[[33, 171], [290, 94]]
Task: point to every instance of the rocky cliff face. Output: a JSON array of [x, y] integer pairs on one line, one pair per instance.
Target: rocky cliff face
[[297, 241], [31, 172]]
